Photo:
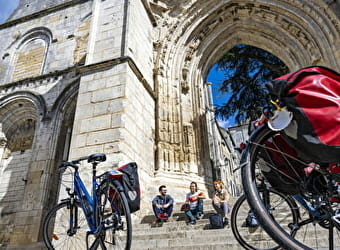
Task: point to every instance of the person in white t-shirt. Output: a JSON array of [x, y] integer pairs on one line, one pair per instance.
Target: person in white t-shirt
[[194, 201]]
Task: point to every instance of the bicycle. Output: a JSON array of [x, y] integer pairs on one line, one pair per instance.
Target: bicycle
[[245, 227], [101, 220], [313, 182]]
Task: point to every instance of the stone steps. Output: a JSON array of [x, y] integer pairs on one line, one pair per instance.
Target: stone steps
[[176, 234]]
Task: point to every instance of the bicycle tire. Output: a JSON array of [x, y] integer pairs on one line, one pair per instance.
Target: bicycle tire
[[55, 235], [115, 214], [250, 161], [254, 237]]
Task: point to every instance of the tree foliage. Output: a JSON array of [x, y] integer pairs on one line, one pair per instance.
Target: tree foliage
[[247, 69]]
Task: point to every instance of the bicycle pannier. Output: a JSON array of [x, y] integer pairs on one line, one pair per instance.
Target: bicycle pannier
[[280, 165], [312, 94], [130, 181]]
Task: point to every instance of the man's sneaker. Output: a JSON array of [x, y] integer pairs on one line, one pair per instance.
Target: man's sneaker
[[199, 216], [192, 222], [158, 221]]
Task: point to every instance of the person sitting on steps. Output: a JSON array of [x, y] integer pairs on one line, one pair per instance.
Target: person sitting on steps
[[220, 200], [162, 205], [194, 200]]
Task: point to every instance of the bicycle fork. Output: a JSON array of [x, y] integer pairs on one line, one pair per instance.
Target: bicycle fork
[[73, 223]]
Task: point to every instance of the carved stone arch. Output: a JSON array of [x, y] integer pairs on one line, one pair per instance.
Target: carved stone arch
[[198, 32], [37, 100], [287, 55], [30, 53], [64, 110], [20, 115], [38, 32], [309, 30], [63, 100]]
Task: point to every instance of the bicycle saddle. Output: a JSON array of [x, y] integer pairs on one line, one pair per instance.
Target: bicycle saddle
[[96, 157]]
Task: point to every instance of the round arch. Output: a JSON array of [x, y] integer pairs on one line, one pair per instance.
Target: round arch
[[21, 112]]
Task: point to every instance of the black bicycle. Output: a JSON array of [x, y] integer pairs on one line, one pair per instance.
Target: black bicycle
[[245, 226], [98, 221], [313, 185]]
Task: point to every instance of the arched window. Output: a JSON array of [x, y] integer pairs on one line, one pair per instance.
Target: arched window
[[31, 54]]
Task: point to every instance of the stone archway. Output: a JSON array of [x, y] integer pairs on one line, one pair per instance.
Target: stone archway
[[192, 37], [19, 122]]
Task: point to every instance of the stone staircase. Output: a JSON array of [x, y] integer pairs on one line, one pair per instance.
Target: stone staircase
[[176, 234]]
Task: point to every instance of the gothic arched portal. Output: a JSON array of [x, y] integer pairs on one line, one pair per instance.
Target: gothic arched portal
[[192, 37]]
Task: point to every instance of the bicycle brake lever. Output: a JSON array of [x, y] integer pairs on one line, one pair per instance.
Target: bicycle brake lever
[[62, 169]]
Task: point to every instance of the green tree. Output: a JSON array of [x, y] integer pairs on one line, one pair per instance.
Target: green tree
[[247, 69]]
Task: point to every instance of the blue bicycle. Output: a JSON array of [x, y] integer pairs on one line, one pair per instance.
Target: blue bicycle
[[101, 220]]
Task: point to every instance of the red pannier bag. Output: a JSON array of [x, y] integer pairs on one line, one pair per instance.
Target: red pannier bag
[[312, 94], [281, 165]]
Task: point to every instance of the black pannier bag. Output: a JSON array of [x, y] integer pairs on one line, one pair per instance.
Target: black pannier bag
[[216, 221], [312, 94], [130, 181]]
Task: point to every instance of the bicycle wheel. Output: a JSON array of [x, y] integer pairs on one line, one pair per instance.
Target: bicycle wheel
[[249, 233], [115, 214], [258, 159], [56, 227]]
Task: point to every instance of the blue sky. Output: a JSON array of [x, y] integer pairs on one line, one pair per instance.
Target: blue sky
[[6, 8], [214, 76]]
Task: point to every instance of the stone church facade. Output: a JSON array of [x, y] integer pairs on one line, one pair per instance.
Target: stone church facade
[[128, 78]]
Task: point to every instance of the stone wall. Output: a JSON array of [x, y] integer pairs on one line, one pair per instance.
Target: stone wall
[[127, 78]]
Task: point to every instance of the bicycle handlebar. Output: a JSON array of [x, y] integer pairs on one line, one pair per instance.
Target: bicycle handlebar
[[73, 163], [94, 159]]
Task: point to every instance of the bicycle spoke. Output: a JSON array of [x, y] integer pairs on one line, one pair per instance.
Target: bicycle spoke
[[115, 218], [252, 236], [266, 159]]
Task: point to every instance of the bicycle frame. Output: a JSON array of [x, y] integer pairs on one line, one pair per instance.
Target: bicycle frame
[[90, 203], [86, 200]]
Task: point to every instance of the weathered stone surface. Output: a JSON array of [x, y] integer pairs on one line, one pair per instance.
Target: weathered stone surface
[[127, 78]]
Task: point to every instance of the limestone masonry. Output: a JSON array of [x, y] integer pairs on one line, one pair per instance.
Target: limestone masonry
[[128, 78]]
